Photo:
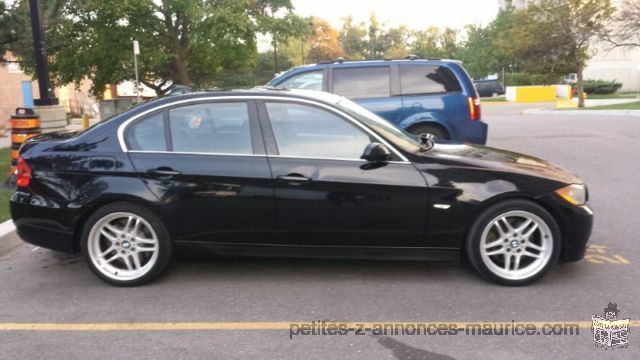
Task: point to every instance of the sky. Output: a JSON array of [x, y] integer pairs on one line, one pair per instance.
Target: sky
[[416, 14]]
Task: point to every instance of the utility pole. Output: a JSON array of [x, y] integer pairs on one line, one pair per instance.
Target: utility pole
[[136, 52], [47, 96]]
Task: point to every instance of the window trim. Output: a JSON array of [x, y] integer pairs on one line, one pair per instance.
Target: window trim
[[122, 127], [257, 143]]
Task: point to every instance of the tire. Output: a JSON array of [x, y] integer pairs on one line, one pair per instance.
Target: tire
[[495, 94], [491, 260], [118, 233], [436, 131]]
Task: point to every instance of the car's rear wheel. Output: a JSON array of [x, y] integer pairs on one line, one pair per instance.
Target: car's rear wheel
[[126, 244], [436, 132], [514, 242]]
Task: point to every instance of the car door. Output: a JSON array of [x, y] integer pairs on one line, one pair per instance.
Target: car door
[[372, 87], [326, 194], [205, 162]]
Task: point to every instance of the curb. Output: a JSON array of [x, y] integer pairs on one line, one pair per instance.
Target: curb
[[628, 113], [8, 238]]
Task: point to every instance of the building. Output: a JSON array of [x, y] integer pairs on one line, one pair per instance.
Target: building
[[612, 64], [76, 100]]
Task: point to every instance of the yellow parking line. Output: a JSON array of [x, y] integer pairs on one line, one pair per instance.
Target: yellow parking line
[[204, 326]]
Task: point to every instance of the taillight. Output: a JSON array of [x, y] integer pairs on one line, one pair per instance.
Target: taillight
[[474, 108], [23, 173]]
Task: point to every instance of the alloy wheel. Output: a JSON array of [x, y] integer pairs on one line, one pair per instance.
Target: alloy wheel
[[123, 246], [516, 245]]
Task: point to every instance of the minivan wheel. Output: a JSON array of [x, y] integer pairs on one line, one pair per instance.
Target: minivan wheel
[[434, 131], [126, 244], [495, 94], [514, 242]]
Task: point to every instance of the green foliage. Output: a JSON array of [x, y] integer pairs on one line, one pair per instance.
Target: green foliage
[[181, 41], [525, 79], [517, 79], [601, 87]]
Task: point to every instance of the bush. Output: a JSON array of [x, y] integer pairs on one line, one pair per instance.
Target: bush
[[545, 79], [525, 79], [517, 79], [600, 87]]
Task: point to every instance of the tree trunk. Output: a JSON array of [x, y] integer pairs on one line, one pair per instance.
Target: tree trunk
[[580, 88], [275, 54], [181, 70]]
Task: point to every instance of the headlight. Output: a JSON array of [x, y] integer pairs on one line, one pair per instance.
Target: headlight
[[575, 194]]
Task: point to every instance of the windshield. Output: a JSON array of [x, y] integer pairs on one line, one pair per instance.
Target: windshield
[[397, 137]]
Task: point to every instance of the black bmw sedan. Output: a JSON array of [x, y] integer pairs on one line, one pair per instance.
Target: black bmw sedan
[[289, 173]]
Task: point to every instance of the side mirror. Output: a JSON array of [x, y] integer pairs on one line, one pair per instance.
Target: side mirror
[[376, 152]]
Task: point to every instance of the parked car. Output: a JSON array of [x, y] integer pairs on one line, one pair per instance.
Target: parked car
[[434, 97], [489, 88], [289, 173]]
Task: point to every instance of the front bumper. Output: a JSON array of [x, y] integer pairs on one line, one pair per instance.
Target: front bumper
[[575, 222]]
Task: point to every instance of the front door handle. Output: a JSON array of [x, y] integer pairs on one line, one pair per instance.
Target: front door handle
[[293, 179], [163, 171]]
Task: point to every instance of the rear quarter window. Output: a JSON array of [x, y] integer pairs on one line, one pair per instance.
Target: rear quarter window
[[362, 83], [427, 79]]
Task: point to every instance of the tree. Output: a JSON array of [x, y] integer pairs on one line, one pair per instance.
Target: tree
[[352, 38], [487, 50], [324, 42], [554, 36], [626, 25], [8, 33], [280, 27], [182, 41]]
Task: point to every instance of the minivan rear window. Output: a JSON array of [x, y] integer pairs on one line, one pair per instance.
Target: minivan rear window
[[427, 79], [362, 83]]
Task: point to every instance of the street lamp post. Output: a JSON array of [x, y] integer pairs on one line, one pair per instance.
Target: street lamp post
[[47, 96]]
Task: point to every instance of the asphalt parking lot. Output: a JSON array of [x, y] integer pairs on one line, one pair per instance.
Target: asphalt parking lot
[[198, 309]]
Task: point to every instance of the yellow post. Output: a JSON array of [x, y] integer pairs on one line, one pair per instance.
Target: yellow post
[[85, 121]]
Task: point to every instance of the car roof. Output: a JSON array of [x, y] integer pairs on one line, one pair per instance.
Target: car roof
[[320, 96]]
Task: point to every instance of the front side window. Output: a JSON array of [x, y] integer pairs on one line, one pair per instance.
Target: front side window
[[427, 79], [220, 128], [148, 134], [362, 83], [309, 81], [307, 131]]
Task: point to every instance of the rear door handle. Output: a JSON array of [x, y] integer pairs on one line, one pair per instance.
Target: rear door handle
[[163, 172], [293, 179]]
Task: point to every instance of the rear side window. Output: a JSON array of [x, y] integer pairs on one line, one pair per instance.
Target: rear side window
[[221, 128], [148, 134], [309, 81], [427, 79], [362, 83]]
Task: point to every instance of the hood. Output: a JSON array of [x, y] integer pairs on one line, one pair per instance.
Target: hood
[[485, 157]]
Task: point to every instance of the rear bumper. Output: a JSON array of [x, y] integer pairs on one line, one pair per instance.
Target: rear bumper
[[476, 133], [42, 223]]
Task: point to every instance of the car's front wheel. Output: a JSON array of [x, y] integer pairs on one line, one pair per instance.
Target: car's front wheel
[[126, 244], [514, 242]]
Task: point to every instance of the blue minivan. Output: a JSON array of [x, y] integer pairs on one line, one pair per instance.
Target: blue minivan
[[434, 97]]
